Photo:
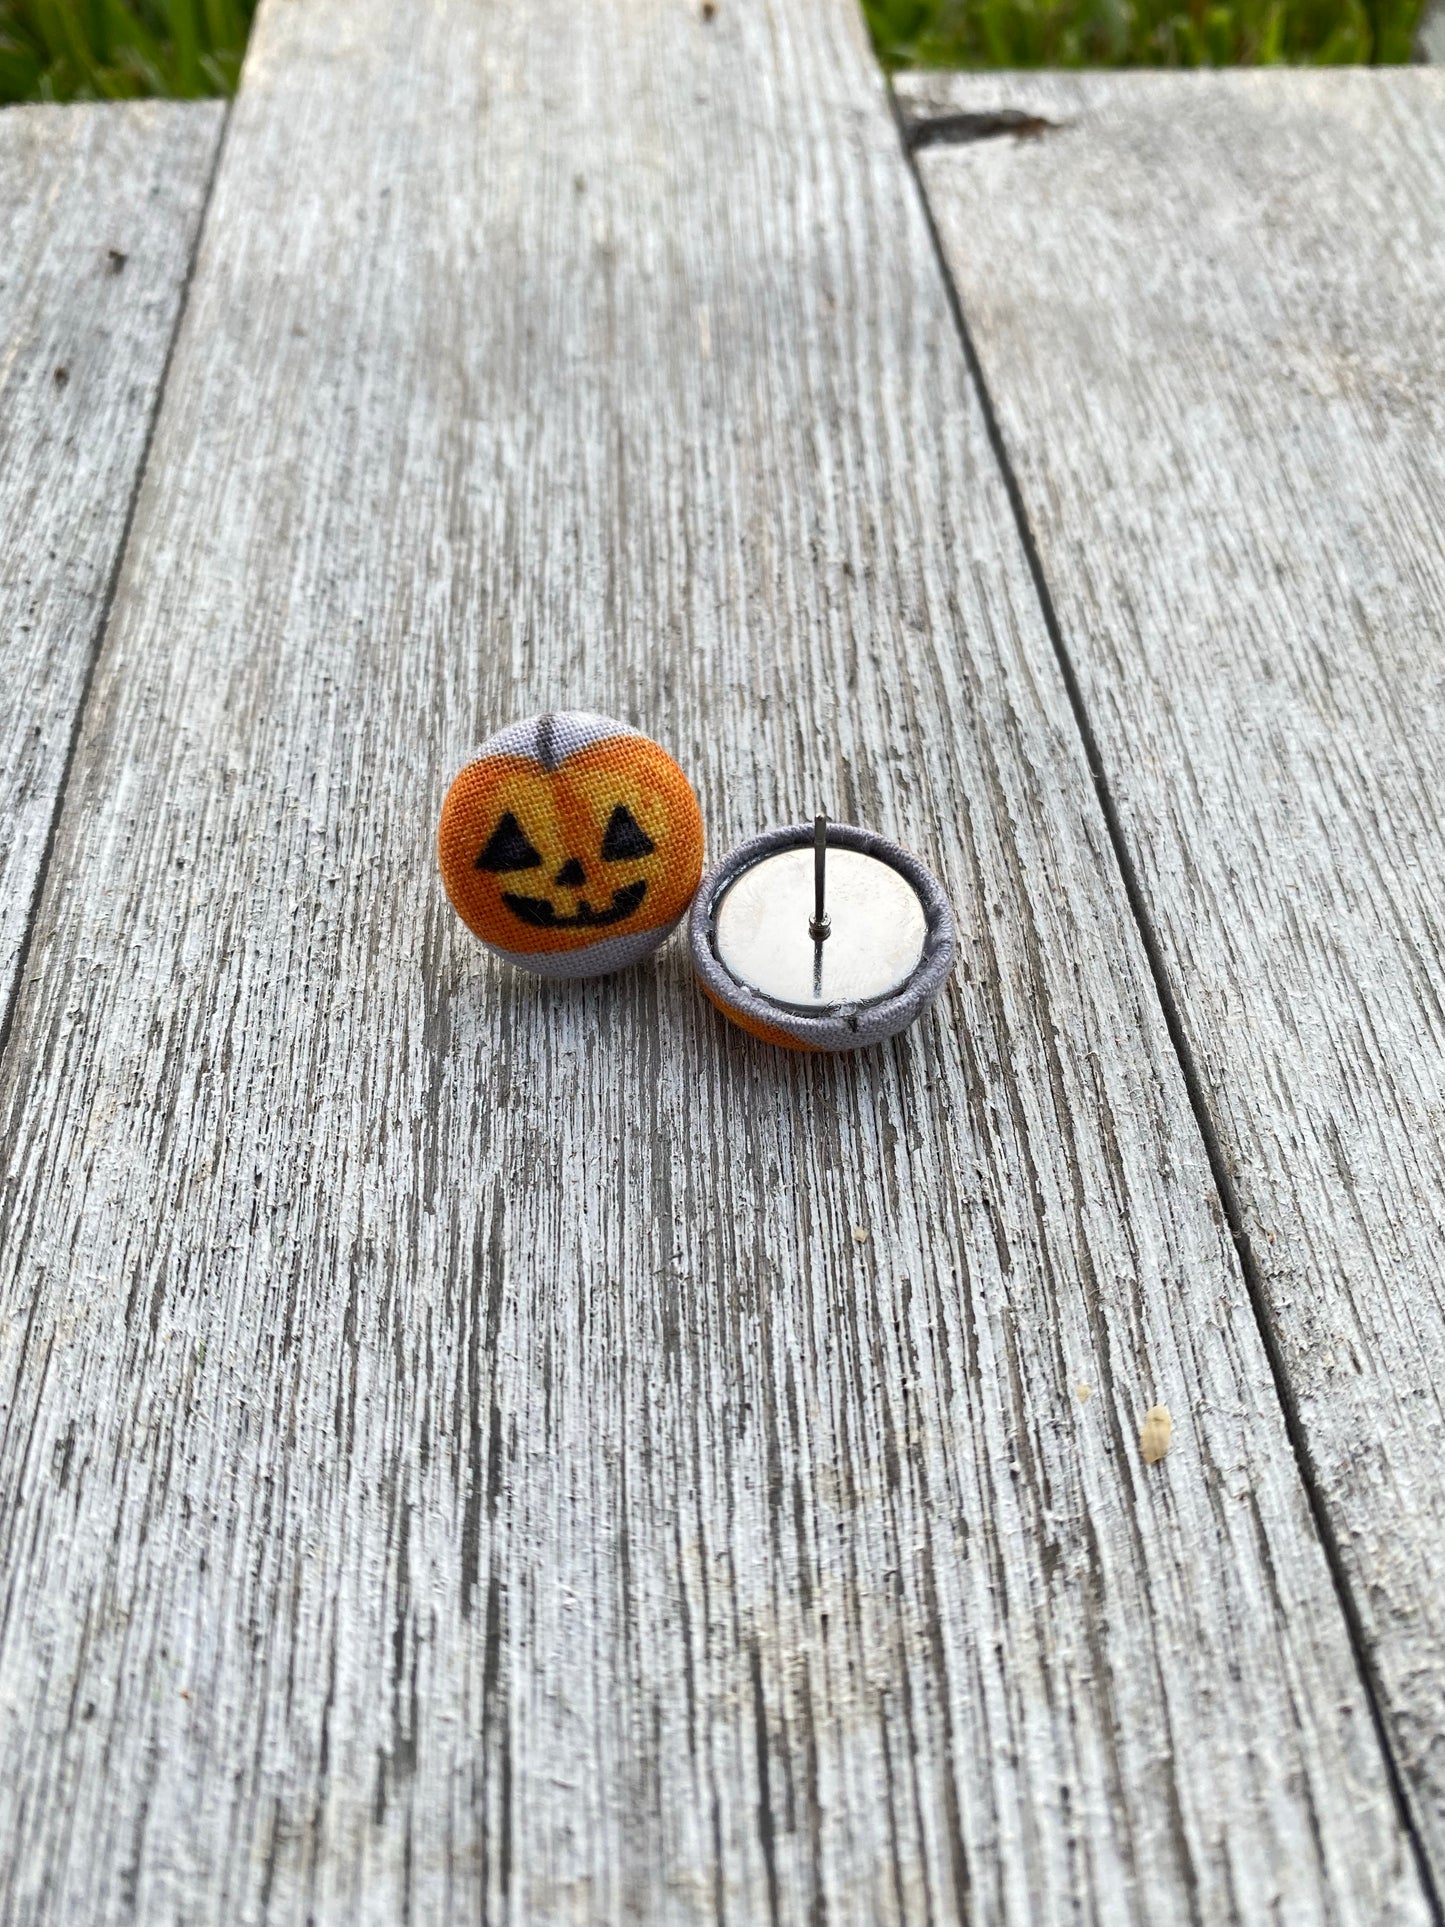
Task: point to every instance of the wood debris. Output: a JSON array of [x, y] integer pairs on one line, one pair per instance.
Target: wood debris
[[1155, 1434]]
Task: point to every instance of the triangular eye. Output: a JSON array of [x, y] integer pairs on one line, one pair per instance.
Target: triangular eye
[[625, 837], [509, 848]]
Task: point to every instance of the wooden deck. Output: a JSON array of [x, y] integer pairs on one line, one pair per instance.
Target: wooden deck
[[473, 1449]]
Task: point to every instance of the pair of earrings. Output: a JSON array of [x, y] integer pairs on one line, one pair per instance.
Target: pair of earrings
[[572, 846]]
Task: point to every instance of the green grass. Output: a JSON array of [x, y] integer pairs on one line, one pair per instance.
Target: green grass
[[120, 49], [117, 49], [1140, 33]]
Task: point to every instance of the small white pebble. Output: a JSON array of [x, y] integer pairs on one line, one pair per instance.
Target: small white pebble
[[1084, 1393], [860, 1234]]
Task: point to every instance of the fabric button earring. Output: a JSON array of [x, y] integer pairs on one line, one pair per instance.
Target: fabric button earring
[[822, 937], [571, 845]]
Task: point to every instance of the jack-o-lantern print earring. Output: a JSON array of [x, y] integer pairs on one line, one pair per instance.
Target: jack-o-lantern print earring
[[571, 845]]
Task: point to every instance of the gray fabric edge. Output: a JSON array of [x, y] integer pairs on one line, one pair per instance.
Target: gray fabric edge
[[580, 726], [597, 960], [850, 1027]]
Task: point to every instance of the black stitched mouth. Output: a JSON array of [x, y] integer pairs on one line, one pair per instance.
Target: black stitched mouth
[[542, 915]]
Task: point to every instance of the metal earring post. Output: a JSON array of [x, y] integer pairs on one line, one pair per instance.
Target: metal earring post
[[821, 923]]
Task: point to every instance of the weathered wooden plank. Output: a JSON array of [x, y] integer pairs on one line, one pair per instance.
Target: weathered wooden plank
[[1212, 321], [481, 1448], [98, 215]]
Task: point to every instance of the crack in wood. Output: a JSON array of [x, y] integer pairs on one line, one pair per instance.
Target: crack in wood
[[957, 130]]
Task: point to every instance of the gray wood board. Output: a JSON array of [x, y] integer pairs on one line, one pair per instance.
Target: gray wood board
[[98, 215], [476, 1448], [1211, 317]]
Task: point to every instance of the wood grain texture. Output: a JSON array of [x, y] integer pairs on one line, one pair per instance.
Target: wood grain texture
[[1212, 320], [98, 215], [476, 1448]]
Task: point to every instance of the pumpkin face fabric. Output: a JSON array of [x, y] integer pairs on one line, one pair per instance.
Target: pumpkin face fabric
[[572, 845]]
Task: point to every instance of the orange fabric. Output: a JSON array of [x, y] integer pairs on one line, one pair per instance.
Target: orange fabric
[[765, 1033], [562, 818]]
